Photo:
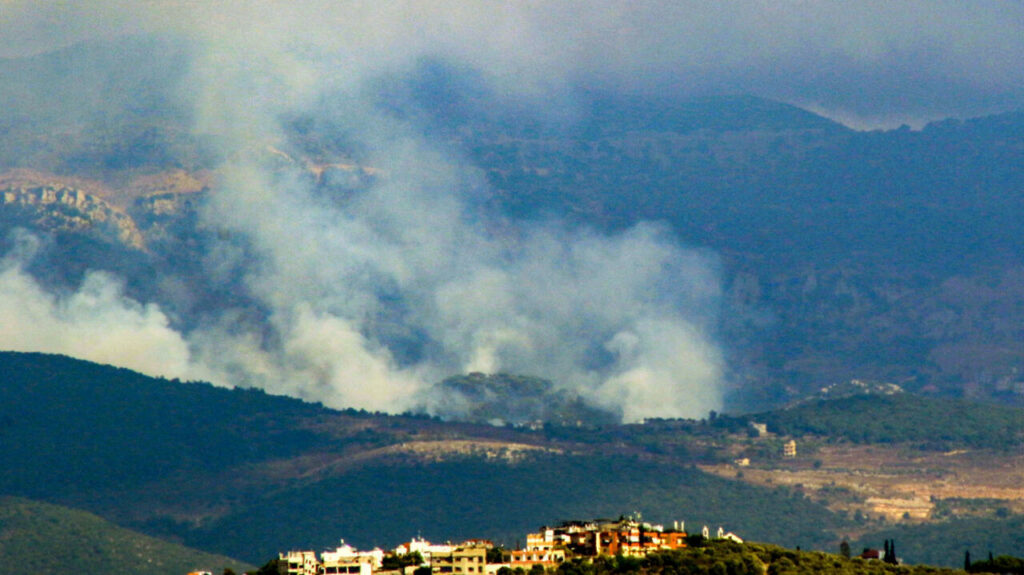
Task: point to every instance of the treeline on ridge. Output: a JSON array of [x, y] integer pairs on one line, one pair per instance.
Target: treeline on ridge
[[935, 424]]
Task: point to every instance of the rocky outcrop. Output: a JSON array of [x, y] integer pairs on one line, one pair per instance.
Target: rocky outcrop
[[61, 208]]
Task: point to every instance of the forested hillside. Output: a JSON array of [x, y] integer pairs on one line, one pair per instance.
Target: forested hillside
[[222, 469], [42, 538], [935, 424]]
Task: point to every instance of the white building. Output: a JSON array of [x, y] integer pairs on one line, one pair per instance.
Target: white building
[[300, 562], [346, 552], [425, 548]]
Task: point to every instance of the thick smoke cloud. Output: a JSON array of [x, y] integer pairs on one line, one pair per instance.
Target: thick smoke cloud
[[365, 299], [622, 320], [96, 322], [370, 297]]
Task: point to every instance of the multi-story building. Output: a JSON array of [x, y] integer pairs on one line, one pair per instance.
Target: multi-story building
[[592, 538], [300, 562], [789, 449], [346, 560], [425, 548], [463, 560], [546, 557]]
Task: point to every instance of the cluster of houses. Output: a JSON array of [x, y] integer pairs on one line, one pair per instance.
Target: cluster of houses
[[546, 548]]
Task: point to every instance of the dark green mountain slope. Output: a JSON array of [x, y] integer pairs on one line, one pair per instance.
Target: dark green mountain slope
[[76, 427], [391, 502], [42, 538], [247, 474], [932, 423], [946, 544]]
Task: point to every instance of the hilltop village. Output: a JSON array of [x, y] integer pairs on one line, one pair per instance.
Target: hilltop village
[[545, 549]]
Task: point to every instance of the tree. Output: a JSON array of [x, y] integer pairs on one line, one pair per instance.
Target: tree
[[844, 549], [393, 562], [273, 567], [495, 555], [967, 560]]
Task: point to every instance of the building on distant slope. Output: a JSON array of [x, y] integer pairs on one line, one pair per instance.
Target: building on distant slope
[[789, 449]]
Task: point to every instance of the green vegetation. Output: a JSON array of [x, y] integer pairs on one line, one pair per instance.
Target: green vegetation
[[397, 562], [727, 558], [78, 426], [1006, 564], [945, 543], [515, 399], [934, 424], [221, 469], [389, 502], [42, 538]]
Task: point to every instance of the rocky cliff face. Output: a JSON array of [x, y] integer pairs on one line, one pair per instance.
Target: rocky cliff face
[[59, 208]]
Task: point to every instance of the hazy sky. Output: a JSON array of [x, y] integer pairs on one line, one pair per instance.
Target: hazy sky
[[869, 63]]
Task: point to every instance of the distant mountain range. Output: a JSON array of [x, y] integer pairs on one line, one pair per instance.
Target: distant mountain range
[[886, 255]]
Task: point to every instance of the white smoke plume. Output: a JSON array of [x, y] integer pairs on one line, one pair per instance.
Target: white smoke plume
[[96, 322], [366, 299], [623, 320]]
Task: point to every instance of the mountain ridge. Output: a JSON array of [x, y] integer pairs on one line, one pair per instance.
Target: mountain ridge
[[223, 469]]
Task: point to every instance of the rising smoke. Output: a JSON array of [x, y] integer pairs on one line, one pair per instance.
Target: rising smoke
[[373, 296], [367, 298], [96, 322]]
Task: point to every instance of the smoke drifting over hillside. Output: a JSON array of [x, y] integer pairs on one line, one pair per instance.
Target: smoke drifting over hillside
[[365, 298], [372, 297], [96, 322]]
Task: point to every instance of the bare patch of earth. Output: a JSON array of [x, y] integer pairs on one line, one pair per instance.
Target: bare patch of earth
[[894, 483]]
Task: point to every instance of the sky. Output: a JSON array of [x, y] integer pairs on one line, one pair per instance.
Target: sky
[[625, 319], [869, 64]]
